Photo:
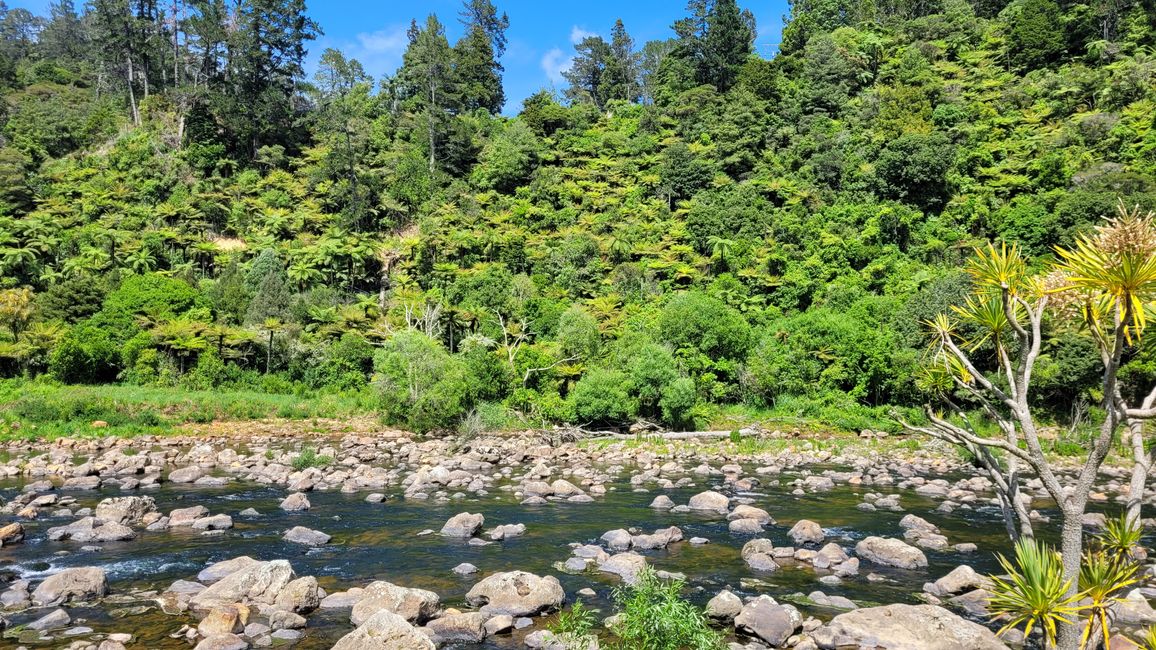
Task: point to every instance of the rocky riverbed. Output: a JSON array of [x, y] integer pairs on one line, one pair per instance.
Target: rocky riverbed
[[218, 541]]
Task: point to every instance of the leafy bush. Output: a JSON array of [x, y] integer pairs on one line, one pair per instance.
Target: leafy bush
[[420, 384], [310, 458], [654, 616], [601, 398]]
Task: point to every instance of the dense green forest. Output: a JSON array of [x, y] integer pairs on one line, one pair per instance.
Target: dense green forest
[[687, 228]]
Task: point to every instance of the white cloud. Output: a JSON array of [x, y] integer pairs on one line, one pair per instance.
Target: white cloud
[[379, 51], [554, 63], [577, 34]]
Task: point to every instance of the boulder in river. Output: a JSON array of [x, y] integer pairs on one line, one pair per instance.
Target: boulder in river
[[905, 627], [962, 578], [125, 510], [218, 570], [709, 501], [77, 584], [517, 593], [463, 525], [260, 582], [890, 552], [300, 596], [806, 531], [724, 607], [11, 534], [413, 605], [186, 474], [295, 502], [306, 536], [767, 620], [467, 627], [385, 631]]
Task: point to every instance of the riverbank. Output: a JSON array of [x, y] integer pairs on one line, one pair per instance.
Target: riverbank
[[778, 534]]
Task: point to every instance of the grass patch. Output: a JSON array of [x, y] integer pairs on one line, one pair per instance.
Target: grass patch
[[43, 410], [310, 458]]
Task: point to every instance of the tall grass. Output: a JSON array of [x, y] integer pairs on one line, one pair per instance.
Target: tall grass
[[45, 410]]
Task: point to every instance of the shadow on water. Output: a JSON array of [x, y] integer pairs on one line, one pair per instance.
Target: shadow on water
[[380, 542]]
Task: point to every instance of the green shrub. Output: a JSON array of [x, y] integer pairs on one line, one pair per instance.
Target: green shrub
[[601, 398], [310, 458], [420, 384], [654, 616]]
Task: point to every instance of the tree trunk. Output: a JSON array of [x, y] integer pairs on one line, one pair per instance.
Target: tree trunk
[[1071, 549], [1141, 466], [132, 95]]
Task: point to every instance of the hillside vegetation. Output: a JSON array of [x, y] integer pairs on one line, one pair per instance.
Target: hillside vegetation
[[687, 230]]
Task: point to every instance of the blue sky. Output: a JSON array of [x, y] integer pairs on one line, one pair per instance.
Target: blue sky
[[541, 36]]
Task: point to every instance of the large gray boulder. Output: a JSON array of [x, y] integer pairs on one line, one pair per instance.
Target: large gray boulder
[[218, 570], [125, 510], [517, 593], [463, 525], [385, 631], [960, 579], [468, 627], [806, 531], [709, 501], [78, 584], [306, 536], [259, 583], [767, 620], [905, 627], [413, 605], [890, 552]]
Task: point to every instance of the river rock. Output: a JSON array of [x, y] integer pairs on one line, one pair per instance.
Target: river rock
[[661, 538], [125, 510], [260, 583], [724, 607], [1133, 609], [229, 619], [215, 522], [962, 578], [517, 593], [91, 529], [506, 531], [300, 596], [617, 539], [709, 501], [306, 536], [186, 516], [222, 642], [905, 627], [186, 474], [765, 619], [662, 502], [218, 570], [11, 534], [413, 605], [806, 531], [78, 584], [295, 502], [53, 620], [744, 511], [624, 565], [463, 525], [745, 527], [385, 631], [890, 552], [469, 627]]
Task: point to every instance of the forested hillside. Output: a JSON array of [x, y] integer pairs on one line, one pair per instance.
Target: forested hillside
[[686, 230]]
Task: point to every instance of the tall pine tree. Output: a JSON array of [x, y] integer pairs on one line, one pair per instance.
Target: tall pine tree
[[427, 81], [621, 78], [476, 56]]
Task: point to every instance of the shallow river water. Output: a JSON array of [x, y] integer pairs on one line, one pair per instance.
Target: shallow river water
[[380, 542]]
